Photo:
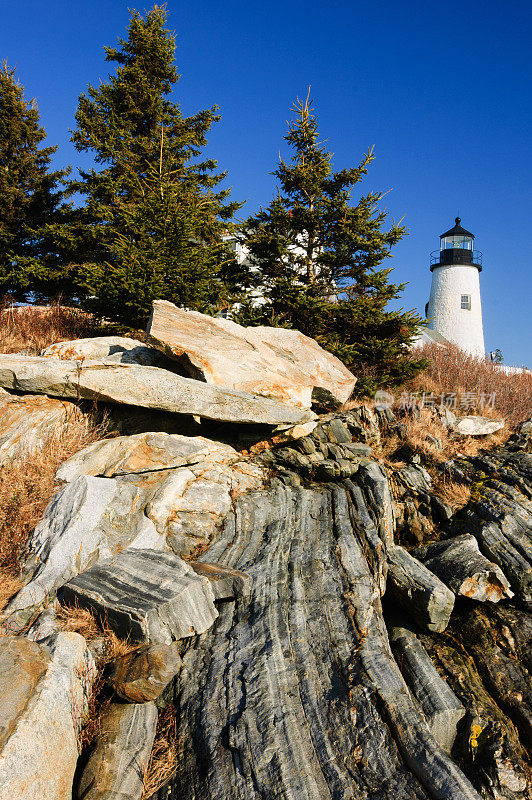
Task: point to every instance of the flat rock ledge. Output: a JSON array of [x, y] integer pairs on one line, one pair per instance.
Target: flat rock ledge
[[148, 387], [147, 595]]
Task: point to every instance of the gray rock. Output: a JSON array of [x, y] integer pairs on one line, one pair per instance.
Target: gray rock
[[39, 759], [141, 676], [418, 591], [338, 432], [512, 554], [459, 563], [276, 362], [440, 706], [477, 426], [374, 482], [148, 387], [67, 540], [116, 768], [143, 452], [359, 449], [117, 349], [147, 595]]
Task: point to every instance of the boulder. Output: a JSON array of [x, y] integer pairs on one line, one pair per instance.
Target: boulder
[[146, 595], [38, 760], [143, 452], [141, 676], [117, 349], [27, 422], [117, 765], [440, 706], [148, 387], [275, 362], [88, 520], [459, 563], [418, 591], [477, 426], [22, 665], [185, 486]]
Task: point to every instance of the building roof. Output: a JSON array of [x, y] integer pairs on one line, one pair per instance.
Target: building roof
[[457, 230]]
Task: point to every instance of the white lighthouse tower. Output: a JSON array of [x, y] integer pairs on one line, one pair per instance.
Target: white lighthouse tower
[[454, 308]]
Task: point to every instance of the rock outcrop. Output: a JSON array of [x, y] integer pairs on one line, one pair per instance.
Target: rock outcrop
[[147, 387], [314, 613], [275, 362]]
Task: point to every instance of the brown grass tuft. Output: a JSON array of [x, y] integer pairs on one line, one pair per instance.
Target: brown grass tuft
[[27, 484], [29, 329], [492, 392], [453, 493], [110, 647], [164, 755]]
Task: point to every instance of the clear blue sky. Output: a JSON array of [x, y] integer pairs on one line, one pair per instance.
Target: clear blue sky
[[443, 91]]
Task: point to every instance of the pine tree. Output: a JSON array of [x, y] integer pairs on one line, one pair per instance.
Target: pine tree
[[32, 258], [317, 262], [153, 222]]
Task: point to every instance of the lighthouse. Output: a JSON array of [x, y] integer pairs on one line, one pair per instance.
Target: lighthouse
[[454, 309]]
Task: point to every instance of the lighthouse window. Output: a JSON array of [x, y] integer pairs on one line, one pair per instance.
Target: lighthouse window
[[465, 304]]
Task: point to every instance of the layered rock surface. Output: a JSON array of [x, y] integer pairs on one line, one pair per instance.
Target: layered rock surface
[[165, 492], [148, 387], [290, 684], [275, 362]]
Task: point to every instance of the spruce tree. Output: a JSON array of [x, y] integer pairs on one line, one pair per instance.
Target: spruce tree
[[154, 218], [33, 210], [317, 262]]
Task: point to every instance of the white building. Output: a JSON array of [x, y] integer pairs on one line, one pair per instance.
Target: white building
[[454, 309]]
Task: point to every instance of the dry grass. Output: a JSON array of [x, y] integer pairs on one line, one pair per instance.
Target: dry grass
[[29, 329], [27, 484], [484, 387], [164, 755], [83, 621], [455, 494]]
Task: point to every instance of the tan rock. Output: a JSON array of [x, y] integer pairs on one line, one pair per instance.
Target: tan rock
[[117, 765], [274, 362], [143, 452], [120, 349], [39, 759], [22, 665], [27, 422], [148, 387], [143, 675]]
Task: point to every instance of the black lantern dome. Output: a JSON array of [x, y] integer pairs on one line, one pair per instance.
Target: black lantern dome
[[456, 247]]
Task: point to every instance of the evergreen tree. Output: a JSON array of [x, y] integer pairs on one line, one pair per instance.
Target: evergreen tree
[[317, 262], [32, 260], [153, 223]]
